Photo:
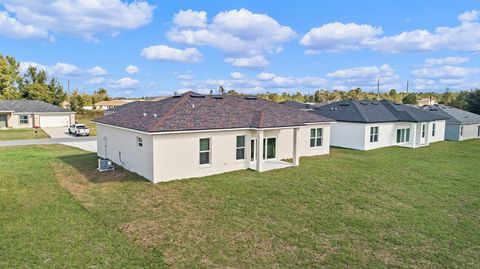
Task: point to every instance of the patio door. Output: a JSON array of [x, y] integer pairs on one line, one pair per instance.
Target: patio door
[[269, 148]]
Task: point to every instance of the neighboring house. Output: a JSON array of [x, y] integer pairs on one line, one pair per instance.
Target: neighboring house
[[33, 114], [461, 124], [427, 102], [365, 125], [87, 107], [299, 105], [104, 105], [122, 107], [193, 135]]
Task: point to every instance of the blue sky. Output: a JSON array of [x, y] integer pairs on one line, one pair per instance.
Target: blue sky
[[250, 46]]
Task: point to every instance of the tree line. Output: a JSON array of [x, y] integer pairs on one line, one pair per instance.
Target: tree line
[[35, 84]]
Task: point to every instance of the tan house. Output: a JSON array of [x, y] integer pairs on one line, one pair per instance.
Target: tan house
[[427, 102], [104, 105], [33, 114], [194, 135]]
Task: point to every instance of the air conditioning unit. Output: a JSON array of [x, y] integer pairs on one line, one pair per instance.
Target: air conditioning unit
[[105, 165]]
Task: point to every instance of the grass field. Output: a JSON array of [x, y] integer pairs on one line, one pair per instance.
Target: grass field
[[393, 207], [22, 134]]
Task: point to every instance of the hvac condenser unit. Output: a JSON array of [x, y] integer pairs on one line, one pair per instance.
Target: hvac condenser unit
[[105, 165]]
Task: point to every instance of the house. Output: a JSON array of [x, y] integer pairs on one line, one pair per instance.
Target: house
[[427, 102], [122, 107], [365, 125], [299, 105], [104, 105], [194, 135], [33, 114], [87, 108], [461, 124]]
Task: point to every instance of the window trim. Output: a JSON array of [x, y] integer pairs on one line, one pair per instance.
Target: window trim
[[237, 147], [374, 136], [405, 133], [209, 151], [316, 137], [20, 120], [139, 142]]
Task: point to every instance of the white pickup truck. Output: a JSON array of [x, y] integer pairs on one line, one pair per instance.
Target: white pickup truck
[[79, 130]]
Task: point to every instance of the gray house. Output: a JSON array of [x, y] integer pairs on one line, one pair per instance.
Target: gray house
[[461, 124], [33, 114]]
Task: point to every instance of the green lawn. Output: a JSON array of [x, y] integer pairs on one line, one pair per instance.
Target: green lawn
[[393, 207], [22, 134]]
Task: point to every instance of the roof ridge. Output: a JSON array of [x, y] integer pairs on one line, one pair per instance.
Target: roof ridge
[[354, 104], [164, 117]]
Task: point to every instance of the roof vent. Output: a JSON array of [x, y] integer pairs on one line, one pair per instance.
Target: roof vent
[[177, 96], [344, 104], [374, 103], [251, 97], [197, 96], [144, 114], [217, 97], [154, 115], [397, 104], [364, 103], [433, 109]]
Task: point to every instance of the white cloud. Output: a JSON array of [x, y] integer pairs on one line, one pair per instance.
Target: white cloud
[[236, 75], [444, 72], [185, 76], [446, 61], [125, 83], [98, 80], [248, 62], [97, 71], [190, 18], [78, 17], [365, 77], [469, 16], [238, 32], [132, 69], [11, 27], [265, 76], [166, 53], [338, 36]]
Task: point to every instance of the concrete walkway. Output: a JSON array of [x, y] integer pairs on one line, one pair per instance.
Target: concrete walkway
[[88, 143]]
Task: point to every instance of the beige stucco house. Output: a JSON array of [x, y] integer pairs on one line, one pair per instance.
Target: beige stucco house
[[193, 135], [104, 105], [33, 114]]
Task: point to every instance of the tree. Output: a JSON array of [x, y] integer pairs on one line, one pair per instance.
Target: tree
[[221, 90], [9, 78], [36, 86], [447, 97], [473, 101], [410, 99], [100, 95]]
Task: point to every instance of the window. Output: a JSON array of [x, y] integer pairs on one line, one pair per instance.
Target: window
[[316, 137], [23, 119], [461, 130], [204, 150], [403, 135], [139, 142], [478, 131], [373, 134], [240, 155], [434, 129], [423, 130]]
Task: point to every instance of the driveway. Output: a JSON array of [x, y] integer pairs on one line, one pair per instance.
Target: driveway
[[57, 132], [88, 143]]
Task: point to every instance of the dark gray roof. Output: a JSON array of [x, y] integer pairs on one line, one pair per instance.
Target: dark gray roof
[[192, 111], [24, 106], [455, 115], [374, 112], [125, 106], [298, 105]]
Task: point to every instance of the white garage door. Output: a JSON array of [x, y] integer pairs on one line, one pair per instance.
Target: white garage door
[[54, 121]]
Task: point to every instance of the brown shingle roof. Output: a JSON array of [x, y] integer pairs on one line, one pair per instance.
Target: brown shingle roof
[[191, 111]]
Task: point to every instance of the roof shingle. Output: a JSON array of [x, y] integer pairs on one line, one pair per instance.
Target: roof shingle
[[454, 115], [191, 111]]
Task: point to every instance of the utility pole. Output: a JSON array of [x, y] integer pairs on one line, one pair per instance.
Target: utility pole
[[378, 89], [68, 93], [407, 86]]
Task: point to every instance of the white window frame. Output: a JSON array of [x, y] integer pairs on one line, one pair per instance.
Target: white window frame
[[20, 120], [316, 138], [434, 129], [374, 134], [244, 147], [139, 142], [209, 151], [406, 138]]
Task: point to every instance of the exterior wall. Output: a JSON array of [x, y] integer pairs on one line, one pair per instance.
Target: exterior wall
[[124, 142], [470, 131], [348, 135], [14, 121], [440, 131], [387, 134], [176, 156]]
